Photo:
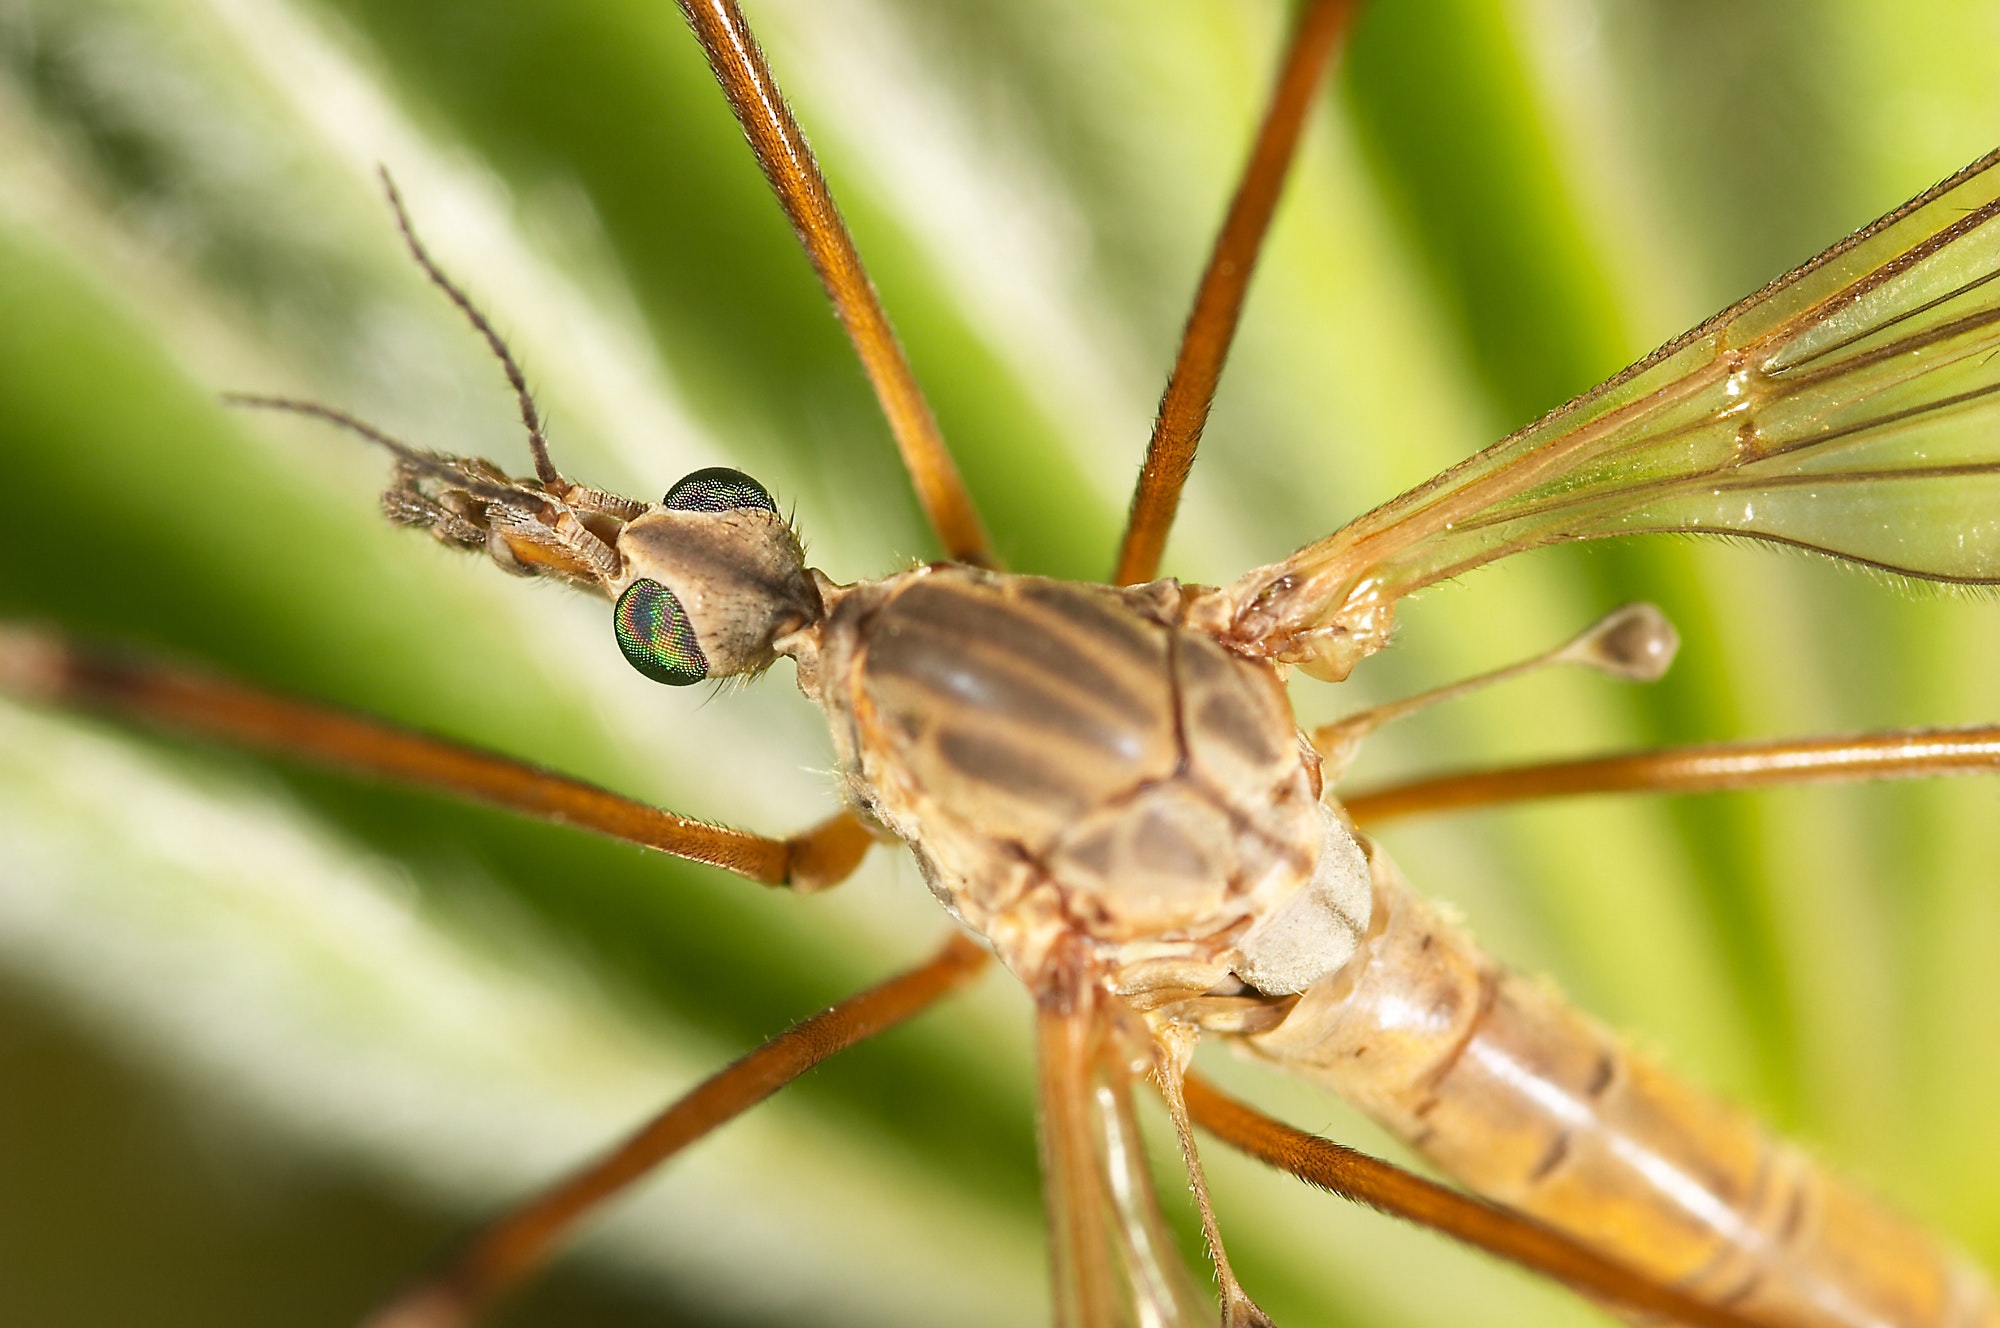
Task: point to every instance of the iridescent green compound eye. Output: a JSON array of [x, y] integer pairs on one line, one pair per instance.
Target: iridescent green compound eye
[[654, 633]]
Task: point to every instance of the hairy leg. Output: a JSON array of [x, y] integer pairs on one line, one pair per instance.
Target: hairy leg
[[515, 1245], [51, 669], [1709, 768], [788, 163], [1218, 300], [1399, 1193]]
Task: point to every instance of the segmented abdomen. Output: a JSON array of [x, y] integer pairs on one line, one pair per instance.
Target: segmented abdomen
[[1517, 1095]]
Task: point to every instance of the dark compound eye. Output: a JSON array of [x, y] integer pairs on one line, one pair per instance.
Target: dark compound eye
[[718, 489], [658, 640]]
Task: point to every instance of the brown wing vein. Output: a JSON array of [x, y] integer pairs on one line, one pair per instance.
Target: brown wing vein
[[1881, 356]]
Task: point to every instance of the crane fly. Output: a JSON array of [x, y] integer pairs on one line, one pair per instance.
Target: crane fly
[[1105, 785]]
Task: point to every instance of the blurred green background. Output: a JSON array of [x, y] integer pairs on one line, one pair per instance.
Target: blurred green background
[[269, 1040]]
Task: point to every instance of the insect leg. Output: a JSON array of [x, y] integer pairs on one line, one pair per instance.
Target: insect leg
[[1218, 301], [1390, 1189], [788, 163], [1708, 768], [513, 1246], [1176, 1046], [47, 668]]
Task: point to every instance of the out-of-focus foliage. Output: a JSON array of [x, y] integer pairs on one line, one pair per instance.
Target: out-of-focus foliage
[[266, 1038]]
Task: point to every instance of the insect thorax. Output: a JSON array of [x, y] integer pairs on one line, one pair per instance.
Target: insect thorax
[[1066, 760]]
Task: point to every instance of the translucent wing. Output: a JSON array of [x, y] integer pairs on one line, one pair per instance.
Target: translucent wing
[[1851, 407]]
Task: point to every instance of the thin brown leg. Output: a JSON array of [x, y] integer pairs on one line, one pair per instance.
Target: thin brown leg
[[1899, 754], [1399, 1193], [1218, 301], [49, 669], [513, 1247], [1174, 1046], [789, 165]]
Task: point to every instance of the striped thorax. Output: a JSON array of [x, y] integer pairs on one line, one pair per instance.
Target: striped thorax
[[1068, 760]]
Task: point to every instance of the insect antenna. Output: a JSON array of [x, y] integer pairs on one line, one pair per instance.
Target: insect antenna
[[410, 456], [538, 441]]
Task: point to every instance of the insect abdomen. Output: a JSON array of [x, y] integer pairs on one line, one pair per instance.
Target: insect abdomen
[[1513, 1092]]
